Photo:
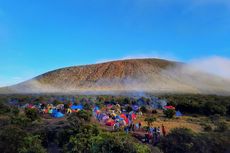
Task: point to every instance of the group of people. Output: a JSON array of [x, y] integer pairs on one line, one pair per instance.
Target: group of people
[[132, 127], [154, 134]]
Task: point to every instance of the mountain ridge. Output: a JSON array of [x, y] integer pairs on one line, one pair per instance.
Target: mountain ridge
[[139, 75]]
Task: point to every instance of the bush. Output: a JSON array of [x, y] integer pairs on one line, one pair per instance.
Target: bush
[[78, 119], [32, 144], [31, 114], [150, 120], [128, 108], [181, 140], [169, 113], [143, 109], [207, 128], [57, 102], [154, 111], [4, 108], [221, 127], [114, 143], [11, 139]]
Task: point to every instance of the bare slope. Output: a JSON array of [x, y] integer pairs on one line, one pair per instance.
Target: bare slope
[[141, 75]]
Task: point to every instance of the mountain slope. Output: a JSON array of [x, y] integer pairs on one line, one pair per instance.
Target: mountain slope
[[139, 75]]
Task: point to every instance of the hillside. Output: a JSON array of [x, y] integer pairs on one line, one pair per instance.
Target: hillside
[[139, 75]]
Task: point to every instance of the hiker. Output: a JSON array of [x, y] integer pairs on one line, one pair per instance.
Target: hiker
[[158, 132], [139, 125], [126, 128], [163, 130], [155, 134], [133, 127], [148, 137], [151, 130]]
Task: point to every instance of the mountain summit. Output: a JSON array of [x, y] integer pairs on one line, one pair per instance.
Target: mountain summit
[[134, 75]]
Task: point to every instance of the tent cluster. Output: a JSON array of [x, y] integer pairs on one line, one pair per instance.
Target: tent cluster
[[57, 111], [114, 117]]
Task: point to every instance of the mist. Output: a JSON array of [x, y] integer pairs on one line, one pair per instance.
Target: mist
[[200, 76]]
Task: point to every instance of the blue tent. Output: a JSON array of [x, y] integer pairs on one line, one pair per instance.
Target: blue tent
[[75, 107], [57, 114], [135, 107], [118, 117], [96, 108], [178, 114]]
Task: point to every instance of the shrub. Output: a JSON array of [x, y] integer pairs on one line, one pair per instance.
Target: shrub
[[32, 114], [207, 128], [150, 120], [11, 139], [154, 111], [143, 109], [179, 140], [221, 127], [169, 113], [128, 108], [114, 143], [32, 144]]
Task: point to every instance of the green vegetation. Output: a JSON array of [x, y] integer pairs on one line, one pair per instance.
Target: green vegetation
[[78, 133], [200, 104], [150, 120], [169, 113], [184, 140]]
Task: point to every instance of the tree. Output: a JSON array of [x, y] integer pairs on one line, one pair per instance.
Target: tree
[[150, 120], [143, 109], [81, 141], [221, 127], [11, 139], [169, 113], [79, 118], [179, 140], [32, 114], [128, 108], [32, 144], [114, 143]]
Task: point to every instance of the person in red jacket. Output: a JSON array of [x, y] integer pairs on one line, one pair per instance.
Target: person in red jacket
[[163, 130]]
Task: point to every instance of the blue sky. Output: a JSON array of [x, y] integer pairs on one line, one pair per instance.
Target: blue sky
[[41, 35]]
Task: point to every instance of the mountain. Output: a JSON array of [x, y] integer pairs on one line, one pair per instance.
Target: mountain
[[134, 75]]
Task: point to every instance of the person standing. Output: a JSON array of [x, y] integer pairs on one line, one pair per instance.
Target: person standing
[[163, 130], [139, 125]]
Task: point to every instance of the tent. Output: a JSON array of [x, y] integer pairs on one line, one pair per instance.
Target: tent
[[178, 114], [105, 118], [75, 107], [109, 106], [57, 114], [96, 108], [135, 107], [110, 123], [169, 107], [125, 118], [134, 117]]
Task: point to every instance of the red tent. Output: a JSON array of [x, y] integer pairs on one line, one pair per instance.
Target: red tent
[[134, 116], [127, 121], [109, 106], [169, 107], [110, 123], [123, 116]]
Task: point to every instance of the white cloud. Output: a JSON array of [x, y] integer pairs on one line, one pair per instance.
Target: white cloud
[[216, 65]]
